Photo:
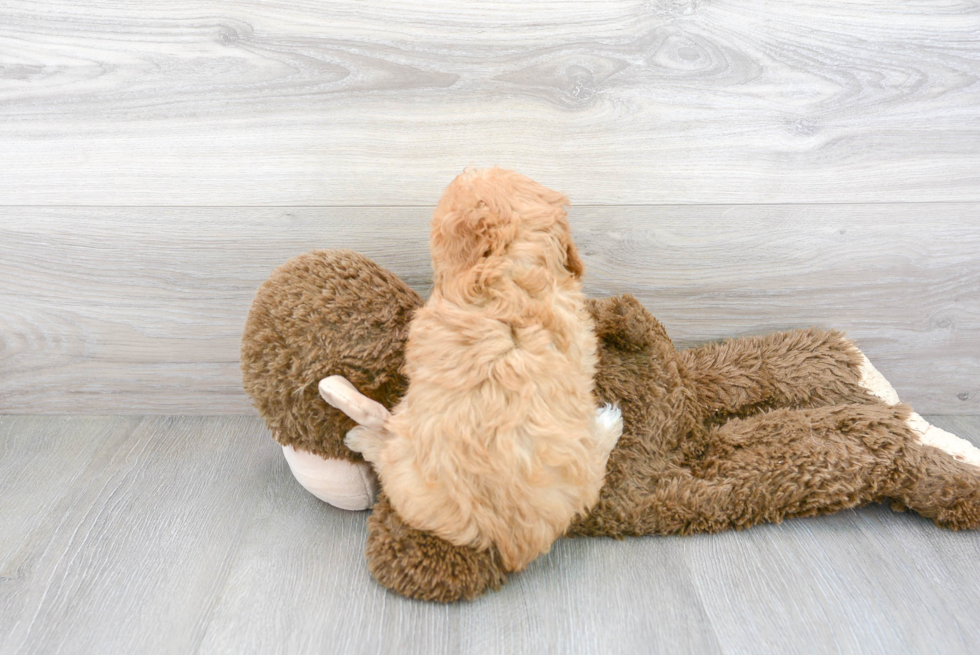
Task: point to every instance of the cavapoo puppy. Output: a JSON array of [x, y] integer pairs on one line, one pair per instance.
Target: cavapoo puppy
[[498, 439]]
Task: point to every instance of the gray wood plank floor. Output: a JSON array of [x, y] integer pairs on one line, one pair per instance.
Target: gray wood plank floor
[[187, 534]]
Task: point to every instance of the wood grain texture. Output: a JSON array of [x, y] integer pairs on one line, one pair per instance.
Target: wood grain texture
[[134, 555], [140, 310], [626, 101], [188, 535]]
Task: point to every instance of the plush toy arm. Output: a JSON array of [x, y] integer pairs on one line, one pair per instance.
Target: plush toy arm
[[369, 436], [341, 394], [800, 368], [423, 566]]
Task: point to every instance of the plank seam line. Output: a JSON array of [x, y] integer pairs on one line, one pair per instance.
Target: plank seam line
[[575, 205]]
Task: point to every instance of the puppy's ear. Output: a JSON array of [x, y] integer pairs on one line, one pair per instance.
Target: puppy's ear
[[573, 263]]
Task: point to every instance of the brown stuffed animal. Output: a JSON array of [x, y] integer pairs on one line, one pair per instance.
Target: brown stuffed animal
[[722, 436]]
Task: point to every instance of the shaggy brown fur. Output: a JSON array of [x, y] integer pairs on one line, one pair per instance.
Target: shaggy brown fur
[[723, 436], [326, 312]]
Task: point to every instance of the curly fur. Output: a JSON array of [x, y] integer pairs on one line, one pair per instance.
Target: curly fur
[[496, 441]]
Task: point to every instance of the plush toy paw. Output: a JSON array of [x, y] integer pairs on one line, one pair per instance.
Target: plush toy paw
[[929, 435], [338, 392], [369, 436], [343, 484]]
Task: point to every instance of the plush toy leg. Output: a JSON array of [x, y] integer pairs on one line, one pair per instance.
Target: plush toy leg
[[800, 462], [848, 455], [801, 368], [789, 462], [421, 565], [944, 487]]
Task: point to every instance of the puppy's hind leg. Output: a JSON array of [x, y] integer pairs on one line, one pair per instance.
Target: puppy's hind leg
[[369, 442], [607, 428]]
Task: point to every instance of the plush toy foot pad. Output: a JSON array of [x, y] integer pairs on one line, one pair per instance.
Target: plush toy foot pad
[[929, 435], [875, 382]]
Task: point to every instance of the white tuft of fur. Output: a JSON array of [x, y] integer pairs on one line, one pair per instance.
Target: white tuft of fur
[[608, 427], [876, 383], [343, 484], [930, 435]]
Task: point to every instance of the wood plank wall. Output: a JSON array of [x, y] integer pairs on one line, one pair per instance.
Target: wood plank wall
[[740, 166]]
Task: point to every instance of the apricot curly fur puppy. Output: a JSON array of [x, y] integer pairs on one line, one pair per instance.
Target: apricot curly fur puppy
[[497, 440]]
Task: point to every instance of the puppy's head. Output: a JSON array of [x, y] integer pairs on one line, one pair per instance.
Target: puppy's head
[[489, 219]]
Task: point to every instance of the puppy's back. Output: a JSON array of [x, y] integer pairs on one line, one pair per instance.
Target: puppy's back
[[493, 440]]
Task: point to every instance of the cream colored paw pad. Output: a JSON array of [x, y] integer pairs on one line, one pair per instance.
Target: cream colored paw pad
[[875, 382], [929, 435]]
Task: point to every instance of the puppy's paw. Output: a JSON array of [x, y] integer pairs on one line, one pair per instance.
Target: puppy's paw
[[607, 427], [369, 442]]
